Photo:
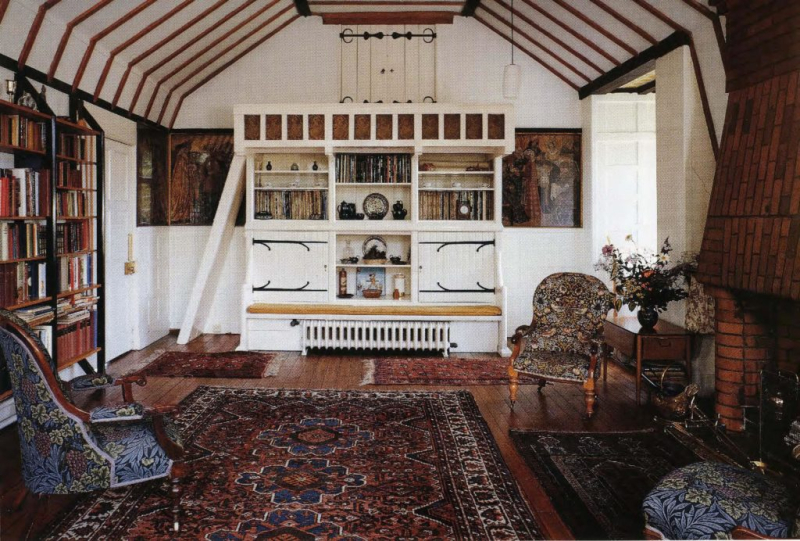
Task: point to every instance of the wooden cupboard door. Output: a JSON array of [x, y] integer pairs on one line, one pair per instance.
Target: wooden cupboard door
[[290, 269], [456, 267]]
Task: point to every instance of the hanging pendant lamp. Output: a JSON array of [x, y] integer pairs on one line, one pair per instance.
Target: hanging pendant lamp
[[512, 76]]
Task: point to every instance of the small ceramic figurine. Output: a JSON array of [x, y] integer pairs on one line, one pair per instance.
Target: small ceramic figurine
[[398, 212], [315, 167], [269, 166], [295, 167]]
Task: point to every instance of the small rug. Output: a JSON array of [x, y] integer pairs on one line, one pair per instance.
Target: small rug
[[439, 371], [298, 464], [230, 364], [597, 481]]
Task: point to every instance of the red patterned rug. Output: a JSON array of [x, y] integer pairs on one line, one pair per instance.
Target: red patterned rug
[[294, 464], [230, 364], [439, 371]]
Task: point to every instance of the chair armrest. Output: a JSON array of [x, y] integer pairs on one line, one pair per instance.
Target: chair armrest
[[523, 330], [740, 532], [91, 382], [126, 382], [111, 413], [166, 432]]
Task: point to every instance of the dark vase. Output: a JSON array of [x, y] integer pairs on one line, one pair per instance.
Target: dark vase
[[648, 317]]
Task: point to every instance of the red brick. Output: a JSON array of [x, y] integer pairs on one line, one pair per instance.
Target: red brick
[[730, 376]]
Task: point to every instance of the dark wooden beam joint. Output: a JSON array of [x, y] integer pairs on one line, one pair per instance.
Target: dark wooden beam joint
[[389, 17], [469, 8], [605, 83], [303, 9]]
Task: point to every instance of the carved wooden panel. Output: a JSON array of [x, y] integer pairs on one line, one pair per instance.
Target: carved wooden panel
[[405, 126], [294, 127], [452, 126], [430, 126], [383, 127], [341, 127], [316, 127], [274, 127], [497, 126], [252, 127], [362, 127], [474, 126]]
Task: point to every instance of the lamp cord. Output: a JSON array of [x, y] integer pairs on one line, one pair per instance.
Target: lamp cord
[[512, 32]]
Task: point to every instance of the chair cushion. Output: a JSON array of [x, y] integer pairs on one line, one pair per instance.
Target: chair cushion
[[709, 499], [553, 365], [116, 412], [135, 451], [91, 381]]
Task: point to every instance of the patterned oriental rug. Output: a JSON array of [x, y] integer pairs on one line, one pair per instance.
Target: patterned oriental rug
[[293, 464], [597, 481], [230, 364], [438, 371]]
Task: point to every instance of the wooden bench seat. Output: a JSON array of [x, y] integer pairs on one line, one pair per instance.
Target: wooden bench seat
[[436, 310]]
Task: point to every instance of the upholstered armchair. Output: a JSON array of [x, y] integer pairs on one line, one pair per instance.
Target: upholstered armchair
[[67, 450], [565, 336]]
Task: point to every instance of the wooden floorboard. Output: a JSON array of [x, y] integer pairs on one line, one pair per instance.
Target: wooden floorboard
[[558, 407]]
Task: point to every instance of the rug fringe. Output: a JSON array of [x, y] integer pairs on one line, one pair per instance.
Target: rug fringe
[[141, 365], [369, 372], [274, 367]]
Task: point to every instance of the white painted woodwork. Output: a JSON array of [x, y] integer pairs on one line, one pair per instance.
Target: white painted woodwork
[[293, 266], [221, 232], [120, 221], [444, 265]]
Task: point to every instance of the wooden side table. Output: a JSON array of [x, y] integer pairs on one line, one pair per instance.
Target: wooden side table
[[667, 342]]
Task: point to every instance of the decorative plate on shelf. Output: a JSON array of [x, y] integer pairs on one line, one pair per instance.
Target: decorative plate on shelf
[[375, 206], [374, 251]]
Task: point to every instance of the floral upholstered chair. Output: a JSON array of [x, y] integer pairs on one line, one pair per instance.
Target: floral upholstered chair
[[66, 450], [563, 340], [711, 500]]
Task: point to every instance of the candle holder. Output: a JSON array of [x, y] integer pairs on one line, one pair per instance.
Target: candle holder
[[11, 89]]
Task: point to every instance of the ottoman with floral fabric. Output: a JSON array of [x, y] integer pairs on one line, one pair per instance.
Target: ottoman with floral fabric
[[708, 500]]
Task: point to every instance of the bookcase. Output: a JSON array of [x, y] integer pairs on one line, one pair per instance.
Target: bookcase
[[50, 235], [373, 225]]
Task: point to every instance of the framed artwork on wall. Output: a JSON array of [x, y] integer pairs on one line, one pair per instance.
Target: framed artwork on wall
[[199, 163], [152, 194], [542, 179]]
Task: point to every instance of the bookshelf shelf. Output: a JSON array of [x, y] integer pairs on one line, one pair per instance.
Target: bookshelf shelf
[[64, 157], [23, 260], [78, 358], [284, 172], [77, 218], [4, 147], [21, 218], [68, 189], [26, 304], [68, 126], [78, 291], [455, 173], [76, 254], [289, 189], [6, 107]]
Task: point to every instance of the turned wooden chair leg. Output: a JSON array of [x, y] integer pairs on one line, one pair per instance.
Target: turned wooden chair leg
[[542, 383], [589, 396], [513, 384]]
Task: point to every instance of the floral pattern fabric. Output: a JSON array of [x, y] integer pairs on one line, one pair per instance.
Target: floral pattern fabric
[[60, 453], [708, 500], [568, 314], [91, 382]]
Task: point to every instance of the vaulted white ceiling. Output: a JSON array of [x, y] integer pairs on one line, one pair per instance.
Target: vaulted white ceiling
[[146, 56]]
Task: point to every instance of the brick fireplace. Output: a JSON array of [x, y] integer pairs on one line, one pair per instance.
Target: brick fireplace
[[750, 260]]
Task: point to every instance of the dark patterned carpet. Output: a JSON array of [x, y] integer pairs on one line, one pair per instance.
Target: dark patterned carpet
[[597, 481], [292, 464], [438, 371], [230, 364]]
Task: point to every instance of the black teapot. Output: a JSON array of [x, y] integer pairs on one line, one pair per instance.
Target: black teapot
[[347, 211], [398, 212]]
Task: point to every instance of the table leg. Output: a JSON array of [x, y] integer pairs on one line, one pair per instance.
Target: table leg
[[689, 358], [605, 351], [638, 370]]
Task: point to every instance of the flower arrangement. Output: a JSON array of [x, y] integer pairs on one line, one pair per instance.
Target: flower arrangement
[[645, 279]]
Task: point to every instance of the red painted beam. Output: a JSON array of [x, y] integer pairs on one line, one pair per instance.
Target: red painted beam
[[68, 32], [34, 32], [581, 16]]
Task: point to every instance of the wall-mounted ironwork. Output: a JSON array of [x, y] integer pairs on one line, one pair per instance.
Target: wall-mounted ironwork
[[427, 35], [442, 289], [480, 243]]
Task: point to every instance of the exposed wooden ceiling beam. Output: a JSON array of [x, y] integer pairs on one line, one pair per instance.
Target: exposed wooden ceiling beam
[[547, 51], [219, 54], [586, 41], [432, 3], [68, 32], [164, 61], [700, 8], [34, 31], [302, 7], [87, 55], [389, 17], [552, 37], [469, 8], [580, 15], [624, 20], [157, 46], [3, 8], [133, 39], [535, 58], [226, 66]]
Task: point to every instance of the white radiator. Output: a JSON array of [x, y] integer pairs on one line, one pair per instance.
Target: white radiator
[[322, 333]]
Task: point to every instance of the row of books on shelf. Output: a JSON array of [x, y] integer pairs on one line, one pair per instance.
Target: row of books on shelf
[[77, 334], [35, 313], [445, 205], [75, 303], [79, 147], [24, 192], [72, 175], [75, 204], [22, 240], [74, 237], [20, 131], [22, 282], [373, 168], [290, 205], [75, 272]]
